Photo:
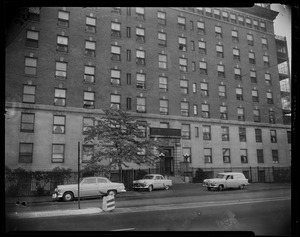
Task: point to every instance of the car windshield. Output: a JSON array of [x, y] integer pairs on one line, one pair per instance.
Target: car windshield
[[221, 176], [148, 177]]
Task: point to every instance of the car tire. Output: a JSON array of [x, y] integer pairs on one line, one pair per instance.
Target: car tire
[[221, 187], [167, 187], [150, 188], [208, 188], [242, 186], [111, 192], [68, 196]]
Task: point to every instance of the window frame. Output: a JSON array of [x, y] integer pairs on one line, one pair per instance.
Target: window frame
[[29, 94], [88, 103], [57, 97], [25, 123], [25, 157], [56, 125]]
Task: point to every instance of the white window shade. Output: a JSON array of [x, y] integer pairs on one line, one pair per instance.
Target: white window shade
[[218, 29], [29, 90], [61, 66], [115, 26], [161, 36], [267, 76], [238, 91], [236, 52], [200, 25], [219, 48], [202, 44], [202, 65], [208, 10], [254, 92], [251, 55], [140, 77], [263, 40], [181, 20], [89, 70], [140, 31], [58, 149], [89, 95], [32, 35], [204, 107], [248, 21], [163, 103], [203, 86], [182, 40], [232, 16], [140, 54], [163, 80], [225, 14], [141, 101], [140, 10], [234, 33], [90, 21], [115, 49], [115, 98], [207, 152], [252, 74], [115, 73], [59, 120], [183, 61], [249, 37], [63, 15], [184, 105], [162, 58], [237, 71], [269, 95], [32, 62], [60, 93], [266, 59], [183, 83], [62, 40], [216, 12], [161, 15], [220, 68]]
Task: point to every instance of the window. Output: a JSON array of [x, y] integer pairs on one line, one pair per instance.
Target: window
[[140, 13], [58, 151], [218, 32], [220, 52], [27, 122], [28, 94], [275, 156], [250, 39], [25, 152], [128, 32], [264, 43], [241, 20], [260, 155], [236, 54], [184, 86], [253, 76], [89, 74], [269, 97], [32, 39], [255, 25], [204, 89], [60, 97], [255, 95], [186, 151], [128, 11], [207, 155], [237, 74], [115, 77], [244, 158], [116, 30], [221, 70], [89, 100], [222, 91], [34, 13], [263, 26], [140, 57], [140, 35], [248, 22], [205, 110], [162, 61], [196, 131], [161, 16], [217, 14], [266, 61], [61, 70], [268, 79], [235, 36], [128, 55], [271, 116], [90, 48], [251, 58], [233, 18], [225, 133], [184, 106], [194, 88], [208, 11], [289, 137], [203, 68], [116, 10], [206, 132], [223, 112], [195, 109], [225, 16], [226, 155], [241, 114], [181, 23], [201, 27], [193, 66], [242, 134], [202, 47], [59, 124], [182, 43], [63, 18], [192, 25], [88, 124], [273, 136], [162, 39], [164, 107], [115, 101], [183, 64], [258, 135], [141, 105], [140, 81], [163, 83], [256, 114], [62, 44], [185, 131], [115, 53], [128, 78], [87, 153], [192, 45], [239, 93], [128, 103], [30, 66], [90, 24]]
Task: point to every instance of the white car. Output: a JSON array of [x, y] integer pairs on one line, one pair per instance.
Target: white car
[[152, 181], [89, 187], [226, 180]]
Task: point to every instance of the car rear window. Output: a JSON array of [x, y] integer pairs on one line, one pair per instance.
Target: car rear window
[[148, 177]]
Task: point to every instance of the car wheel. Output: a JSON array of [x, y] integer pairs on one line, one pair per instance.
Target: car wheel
[[167, 187], [208, 188], [68, 196], [242, 186], [150, 188], [111, 192], [221, 187]]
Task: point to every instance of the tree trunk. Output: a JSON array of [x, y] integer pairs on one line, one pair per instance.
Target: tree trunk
[[120, 173]]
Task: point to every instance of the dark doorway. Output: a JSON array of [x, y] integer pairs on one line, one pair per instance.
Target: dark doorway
[[167, 162]]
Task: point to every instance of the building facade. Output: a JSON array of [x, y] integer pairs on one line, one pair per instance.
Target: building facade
[[206, 79]]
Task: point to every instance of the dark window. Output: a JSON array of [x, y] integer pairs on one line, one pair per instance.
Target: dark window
[[25, 152], [27, 122]]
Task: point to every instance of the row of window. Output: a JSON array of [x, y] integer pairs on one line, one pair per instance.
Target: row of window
[[58, 154], [60, 95]]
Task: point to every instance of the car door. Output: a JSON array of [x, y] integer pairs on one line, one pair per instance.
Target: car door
[[88, 187], [230, 182], [103, 185], [159, 181]]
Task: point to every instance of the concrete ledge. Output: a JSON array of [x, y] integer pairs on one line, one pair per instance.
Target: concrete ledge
[[55, 213]]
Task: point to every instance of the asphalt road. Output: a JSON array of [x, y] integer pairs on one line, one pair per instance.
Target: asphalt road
[[265, 211]]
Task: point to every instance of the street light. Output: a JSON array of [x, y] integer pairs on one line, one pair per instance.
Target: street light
[[161, 156]]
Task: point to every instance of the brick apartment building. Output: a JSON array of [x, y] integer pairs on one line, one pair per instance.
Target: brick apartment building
[[206, 79]]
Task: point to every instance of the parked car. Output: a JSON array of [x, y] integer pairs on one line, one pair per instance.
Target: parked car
[[89, 187], [226, 180], [152, 181]]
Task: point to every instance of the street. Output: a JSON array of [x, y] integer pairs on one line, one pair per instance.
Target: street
[[264, 211]]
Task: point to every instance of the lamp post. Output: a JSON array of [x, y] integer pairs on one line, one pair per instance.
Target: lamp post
[[161, 156]]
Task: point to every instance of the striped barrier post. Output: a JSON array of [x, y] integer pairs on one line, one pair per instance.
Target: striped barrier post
[[108, 203]]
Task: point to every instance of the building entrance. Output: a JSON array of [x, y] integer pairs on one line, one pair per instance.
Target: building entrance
[[167, 162]]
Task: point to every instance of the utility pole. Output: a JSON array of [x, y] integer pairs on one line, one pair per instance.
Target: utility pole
[[78, 175]]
